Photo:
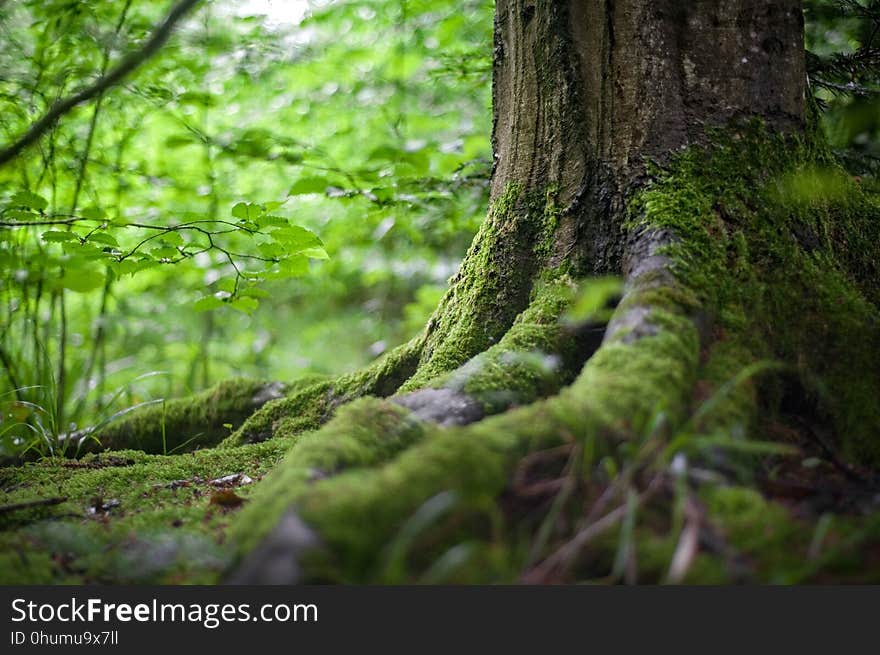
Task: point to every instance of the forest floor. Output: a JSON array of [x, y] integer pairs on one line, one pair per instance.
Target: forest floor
[[129, 517]]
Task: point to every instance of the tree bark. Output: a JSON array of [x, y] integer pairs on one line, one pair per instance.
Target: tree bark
[[586, 91], [584, 94]]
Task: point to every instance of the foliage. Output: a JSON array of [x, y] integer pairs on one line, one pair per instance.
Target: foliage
[[843, 58], [252, 149]]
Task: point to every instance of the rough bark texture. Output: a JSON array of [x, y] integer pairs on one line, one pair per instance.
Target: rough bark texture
[[586, 91]]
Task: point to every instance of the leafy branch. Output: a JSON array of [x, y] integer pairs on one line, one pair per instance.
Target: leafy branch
[[284, 250], [128, 65]]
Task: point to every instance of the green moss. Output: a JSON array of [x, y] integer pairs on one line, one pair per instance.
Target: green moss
[[493, 285], [160, 525], [534, 359], [183, 424], [312, 405], [305, 409], [781, 247], [726, 403], [360, 512], [779, 549], [364, 433]]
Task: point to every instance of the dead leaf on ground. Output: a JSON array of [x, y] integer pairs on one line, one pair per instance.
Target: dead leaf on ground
[[226, 498]]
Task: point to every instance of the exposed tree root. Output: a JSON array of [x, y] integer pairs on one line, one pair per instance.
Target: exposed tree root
[[682, 357], [636, 450], [310, 406], [647, 364], [200, 421]]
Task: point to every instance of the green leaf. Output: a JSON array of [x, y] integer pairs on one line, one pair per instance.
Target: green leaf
[[246, 305], [272, 205], [23, 215], [273, 221], [226, 284], [103, 237], [94, 213], [254, 292], [295, 266], [307, 185], [295, 238], [173, 238], [316, 253], [130, 266], [164, 252], [82, 280], [206, 303], [30, 200], [595, 300], [57, 236], [271, 250], [247, 211]]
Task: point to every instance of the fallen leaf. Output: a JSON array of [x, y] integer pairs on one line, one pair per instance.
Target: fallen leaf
[[226, 498]]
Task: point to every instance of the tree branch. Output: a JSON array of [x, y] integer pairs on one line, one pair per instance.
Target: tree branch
[[125, 67]]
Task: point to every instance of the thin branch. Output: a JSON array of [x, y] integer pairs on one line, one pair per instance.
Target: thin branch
[[43, 502], [129, 63]]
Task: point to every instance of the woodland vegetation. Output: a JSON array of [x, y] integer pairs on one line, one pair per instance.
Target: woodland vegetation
[[411, 291]]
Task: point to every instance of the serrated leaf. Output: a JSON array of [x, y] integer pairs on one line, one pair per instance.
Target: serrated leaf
[[58, 236], [207, 303], [246, 304], [30, 200], [247, 211], [307, 185], [295, 238], [103, 237]]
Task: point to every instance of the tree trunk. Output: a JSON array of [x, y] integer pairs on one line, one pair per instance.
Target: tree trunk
[[584, 93]]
